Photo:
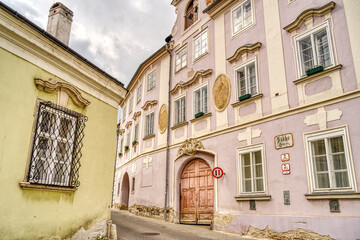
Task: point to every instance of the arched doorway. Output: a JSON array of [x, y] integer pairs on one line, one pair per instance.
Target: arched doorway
[[196, 193], [125, 186]]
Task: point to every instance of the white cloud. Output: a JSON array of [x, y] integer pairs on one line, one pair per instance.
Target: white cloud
[[140, 5], [115, 35]]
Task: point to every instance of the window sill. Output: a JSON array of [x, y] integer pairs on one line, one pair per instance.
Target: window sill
[[179, 125], [253, 98], [148, 137], [262, 197], [135, 144], [206, 115], [318, 74], [33, 186], [332, 195], [201, 57], [180, 70]]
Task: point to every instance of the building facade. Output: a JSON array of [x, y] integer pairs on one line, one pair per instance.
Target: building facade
[[268, 91], [58, 132]]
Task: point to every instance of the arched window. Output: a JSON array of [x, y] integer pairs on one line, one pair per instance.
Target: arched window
[[191, 13]]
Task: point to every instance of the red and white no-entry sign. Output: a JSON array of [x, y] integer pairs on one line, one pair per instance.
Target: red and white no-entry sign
[[217, 172]]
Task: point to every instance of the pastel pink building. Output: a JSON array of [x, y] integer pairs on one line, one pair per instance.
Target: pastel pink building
[[266, 90]]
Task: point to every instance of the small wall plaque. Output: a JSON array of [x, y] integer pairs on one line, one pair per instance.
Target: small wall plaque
[[287, 197], [285, 157], [252, 205], [284, 141], [285, 167], [334, 205]]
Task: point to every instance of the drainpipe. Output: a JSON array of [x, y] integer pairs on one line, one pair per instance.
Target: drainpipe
[[116, 153], [168, 40]]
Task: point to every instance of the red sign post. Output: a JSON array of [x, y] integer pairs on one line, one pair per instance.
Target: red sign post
[[217, 172]]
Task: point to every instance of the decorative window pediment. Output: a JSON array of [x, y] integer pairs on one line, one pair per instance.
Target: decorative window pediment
[[244, 49], [309, 13], [148, 104], [51, 85], [197, 76], [128, 124], [136, 115]]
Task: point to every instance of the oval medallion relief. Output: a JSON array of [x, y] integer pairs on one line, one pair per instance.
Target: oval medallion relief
[[163, 118], [221, 92]]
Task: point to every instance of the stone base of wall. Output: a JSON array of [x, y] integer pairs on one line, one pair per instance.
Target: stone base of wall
[[152, 212], [100, 229], [298, 234], [120, 206]]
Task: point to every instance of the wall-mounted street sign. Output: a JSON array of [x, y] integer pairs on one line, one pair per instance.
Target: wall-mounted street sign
[[217, 172], [285, 167], [285, 157], [284, 141]]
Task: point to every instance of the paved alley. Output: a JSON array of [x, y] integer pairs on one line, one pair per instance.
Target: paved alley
[[131, 227]]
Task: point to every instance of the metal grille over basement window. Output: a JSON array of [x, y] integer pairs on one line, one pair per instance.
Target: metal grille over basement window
[[57, 146]]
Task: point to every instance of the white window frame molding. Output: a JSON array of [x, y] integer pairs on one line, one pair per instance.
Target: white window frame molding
[[176, 99], [187, 58], [145, 123], [305, 34], [233, 34], [131, 104], [123, 112], [339, 131], [147, 80], [199, 35], [205, 84], [236, 68], [250, 149], [138, 94]]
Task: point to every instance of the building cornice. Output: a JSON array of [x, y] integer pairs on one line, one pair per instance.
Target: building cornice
[[194, 79], [23, 39], [308, 14]]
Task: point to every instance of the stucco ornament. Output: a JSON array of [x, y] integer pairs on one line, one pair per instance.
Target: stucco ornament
[[163, 118], [221, 92], [190, 147]]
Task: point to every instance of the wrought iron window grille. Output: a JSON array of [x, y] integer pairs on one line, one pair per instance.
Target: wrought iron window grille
[[56, 152]]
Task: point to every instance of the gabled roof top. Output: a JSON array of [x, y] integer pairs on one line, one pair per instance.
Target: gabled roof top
[[57, 42]]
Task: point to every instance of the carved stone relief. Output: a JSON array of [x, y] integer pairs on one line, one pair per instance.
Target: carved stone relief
[[190, 147], [221, 92]]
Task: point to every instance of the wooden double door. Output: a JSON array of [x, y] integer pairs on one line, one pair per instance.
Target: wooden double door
[[197, 193]]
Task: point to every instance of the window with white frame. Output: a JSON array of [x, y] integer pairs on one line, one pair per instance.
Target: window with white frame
[[131, 104], [180, 110], [246, 79], [251, 170], [242, 16], [149, 124], [128, 139], [201, 45], [136, 132], [200, 100], [124, 114], [181, 59], [314, 49], [151, 83], [329, 160], [139, 92], [56, 151], [121, 145]]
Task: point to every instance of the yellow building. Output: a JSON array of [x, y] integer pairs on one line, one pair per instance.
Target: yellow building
[[57, 134]]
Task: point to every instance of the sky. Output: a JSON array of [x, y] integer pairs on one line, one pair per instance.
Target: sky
[[115, 35]]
